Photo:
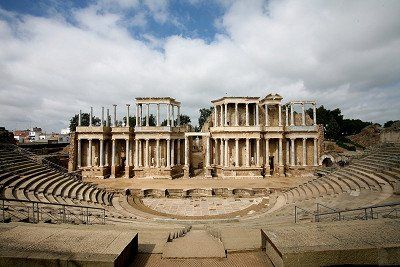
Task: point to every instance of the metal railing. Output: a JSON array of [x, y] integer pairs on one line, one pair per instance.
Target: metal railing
[[42, 161], [390, 210], [35, 211]]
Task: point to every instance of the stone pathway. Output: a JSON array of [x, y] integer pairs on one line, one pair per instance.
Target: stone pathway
[[196, 244], [200, 206]]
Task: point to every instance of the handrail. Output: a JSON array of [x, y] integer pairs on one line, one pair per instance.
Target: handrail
[[48, 203], [363, 208]]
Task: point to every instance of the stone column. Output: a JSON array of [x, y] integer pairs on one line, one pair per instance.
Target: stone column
[[287, 115], [146, 154], [279, 115], [222, 153], [222, 116], [208, 152], [266, 115], [226, 152], [173, 116], [291, 115], [79, 154], [247, 152], [168, 115], [215, 116], [168, 153], [172, 152], [292, 149], [158, 114], [237, 152], [236, 115], [304, 152], [80, 118], [258, 152], [115, 116], [178, 119], [101, 153], [136, 153], [287, 160], [216, 151], [127, 154], [107, 153], [127, 115], [315, 114], [186, 152], [267, 167], [91, 117], [113, 153], [137, 115], [303, 115], [257, 116], [108, 118], [148, 115], [226, 115], [158, 153], [178, 156], [90, 153], [280, 156], [247, 114], [141, 115], [140, 154], [315, 152]]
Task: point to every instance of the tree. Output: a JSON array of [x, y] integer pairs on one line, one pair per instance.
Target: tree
[[185, 119], [388, 124], [204, 114], [132, 121], [73, 122], [152, 120]]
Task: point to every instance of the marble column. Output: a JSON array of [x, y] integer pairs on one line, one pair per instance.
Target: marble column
[[136, 153], [168, 153], [291, 115], [315, 114], [127, 115], [140, 154], [287, 115], [186, 152], [80, 118], [267, 152], [287, 160], [127, 154], [208, 152], [226, 115], [91, 117], [303, 115], [79, 154], [279, 115], [146, 154], [266, 115], [292, 150], [90, 153], [280, 156], [115, 115], [216, 151], [257, 116], [113, 153], [158, 115], [137, 115], [101, 153], [168, 115], [247, 152], [226, 156], [258, 152], [315, 152], [222, 115], [102, 117], [236, 115], [178, 156], [108, 118], [247, 115], [141, 115], [172, 152], [107, 153], [304, 152], [215, 116], [222, 153], [158, 153], [173, 116], [178, 119], [148, 115], [237, 152]]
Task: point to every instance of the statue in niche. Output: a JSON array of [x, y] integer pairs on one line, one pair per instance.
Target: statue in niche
[[96, 161], [252, 161], [152, 162]]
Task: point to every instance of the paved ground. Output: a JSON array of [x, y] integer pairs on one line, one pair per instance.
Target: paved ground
[[200, 206]]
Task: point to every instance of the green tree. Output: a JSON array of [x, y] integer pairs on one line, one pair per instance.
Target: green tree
[[388, 124], [73, 122], [132, 121], [204, 114], [152, 120]]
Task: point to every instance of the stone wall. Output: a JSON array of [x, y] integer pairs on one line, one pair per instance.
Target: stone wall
[[72, 151]]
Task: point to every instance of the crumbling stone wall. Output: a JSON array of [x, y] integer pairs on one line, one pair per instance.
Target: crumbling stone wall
[[72, 151]]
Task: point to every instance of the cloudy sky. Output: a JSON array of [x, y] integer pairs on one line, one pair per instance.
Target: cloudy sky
[[57, 57]]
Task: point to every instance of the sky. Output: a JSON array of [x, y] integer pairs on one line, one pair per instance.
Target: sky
[[58, 57]]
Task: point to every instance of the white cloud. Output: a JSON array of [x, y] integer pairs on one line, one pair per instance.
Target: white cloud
[[343, 54]]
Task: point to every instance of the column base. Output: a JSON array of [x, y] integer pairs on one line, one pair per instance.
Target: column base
[[113, 171], [208, 172], [186, 172], [127, 171]]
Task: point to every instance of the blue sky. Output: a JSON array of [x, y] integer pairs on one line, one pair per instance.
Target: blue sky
[[57, 57]]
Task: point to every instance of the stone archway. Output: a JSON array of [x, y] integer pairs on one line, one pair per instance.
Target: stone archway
[[326, 160]]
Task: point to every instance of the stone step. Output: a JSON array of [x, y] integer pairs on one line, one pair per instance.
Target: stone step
[[195, 244]]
